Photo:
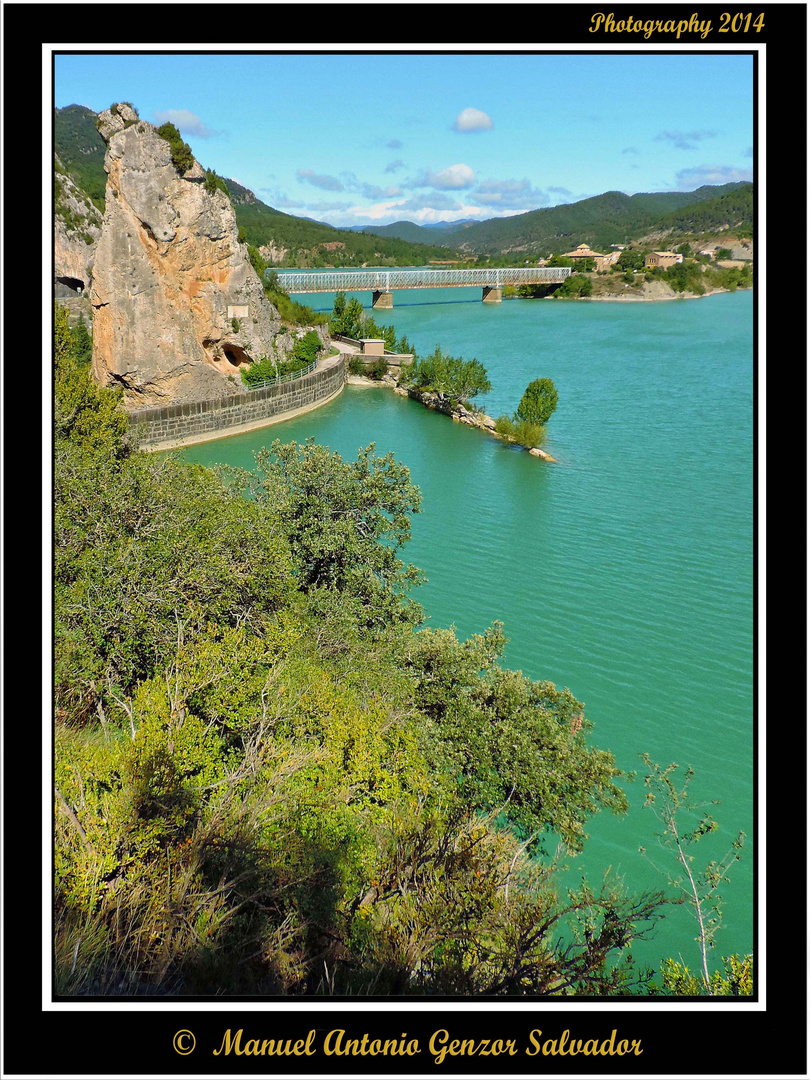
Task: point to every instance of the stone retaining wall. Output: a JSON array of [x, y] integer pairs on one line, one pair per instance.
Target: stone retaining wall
[[172, 425]]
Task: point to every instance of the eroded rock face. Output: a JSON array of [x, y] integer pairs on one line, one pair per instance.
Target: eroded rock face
[[178, 309], [77, 229]]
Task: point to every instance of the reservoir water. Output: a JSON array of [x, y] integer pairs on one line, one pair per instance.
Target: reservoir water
[[625, 571]]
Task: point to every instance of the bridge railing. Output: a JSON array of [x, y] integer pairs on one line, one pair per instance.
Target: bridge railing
[[384, 280]]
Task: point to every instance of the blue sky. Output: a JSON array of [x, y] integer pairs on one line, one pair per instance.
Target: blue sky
[[370, 139]]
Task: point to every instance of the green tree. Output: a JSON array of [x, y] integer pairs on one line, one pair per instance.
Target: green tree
[[353, 319], [338, 313], [346, 522], [575, 285], [83, 344], [631, 259], [181, 154], [668, 798], [490, 733], [89, 415], [347, 316], [538, 402], [452, 378], [214, 182]]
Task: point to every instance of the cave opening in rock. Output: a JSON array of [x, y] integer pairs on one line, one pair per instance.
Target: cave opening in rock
[[235, 355], [75, 285]]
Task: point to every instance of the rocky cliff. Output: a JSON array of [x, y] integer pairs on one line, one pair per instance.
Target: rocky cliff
[[178, 309], [77, 228]]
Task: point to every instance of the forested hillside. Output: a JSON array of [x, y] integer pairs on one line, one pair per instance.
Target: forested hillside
[[81, 150], [733, 210], [612, 218], [314, 243]]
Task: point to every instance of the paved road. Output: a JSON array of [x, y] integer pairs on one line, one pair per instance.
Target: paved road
[[345, 347]]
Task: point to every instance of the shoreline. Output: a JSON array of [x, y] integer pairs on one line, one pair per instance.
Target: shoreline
[[624, 299], [660, 299], [428, 399], [462, 415]]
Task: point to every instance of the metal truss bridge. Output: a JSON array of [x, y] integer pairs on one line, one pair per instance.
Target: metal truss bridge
[[382, 281]]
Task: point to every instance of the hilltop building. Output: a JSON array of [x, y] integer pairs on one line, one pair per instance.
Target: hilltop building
[[600, 261], [664, 259]]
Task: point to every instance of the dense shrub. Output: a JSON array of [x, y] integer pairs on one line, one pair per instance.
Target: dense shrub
[[529, 433], [575, 285], [305, 352], [291, 311], [520, 431], [182, 157], [378, 369], [539, 401], [452, 378], [213, 183]]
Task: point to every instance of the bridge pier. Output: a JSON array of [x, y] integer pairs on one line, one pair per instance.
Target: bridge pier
[[382, 300], [493, 294]]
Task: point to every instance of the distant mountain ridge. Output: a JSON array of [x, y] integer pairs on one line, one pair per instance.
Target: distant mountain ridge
[[610, 218]]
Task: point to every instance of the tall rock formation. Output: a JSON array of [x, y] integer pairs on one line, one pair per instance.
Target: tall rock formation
[[178, 309]]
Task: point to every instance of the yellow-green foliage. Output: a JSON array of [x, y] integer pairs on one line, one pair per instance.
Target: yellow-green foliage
[[92, 416], [212, 789], [265, 781], [735, 980]]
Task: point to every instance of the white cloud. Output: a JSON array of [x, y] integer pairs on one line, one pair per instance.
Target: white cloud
[[188, 123], [472, 120], [453, 178], [277, 199], [326, 183], [373, 191], [684, 140], [438, 201], [326, 207], [510, 194], [711, 174]]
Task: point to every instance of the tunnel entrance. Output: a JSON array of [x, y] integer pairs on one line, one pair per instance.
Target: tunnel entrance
[[68, 286]]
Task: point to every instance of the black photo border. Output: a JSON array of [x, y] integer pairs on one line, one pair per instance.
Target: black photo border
[[708, 1040]]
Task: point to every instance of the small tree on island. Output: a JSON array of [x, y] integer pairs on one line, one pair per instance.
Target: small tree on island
[[538, 402], [527, 425], [450, 377]]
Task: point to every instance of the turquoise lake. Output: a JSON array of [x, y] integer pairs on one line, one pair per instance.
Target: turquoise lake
[[626, 570]]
